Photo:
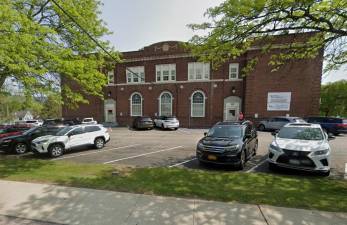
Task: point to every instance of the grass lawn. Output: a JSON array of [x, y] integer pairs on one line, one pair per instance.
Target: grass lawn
[[257, 188]]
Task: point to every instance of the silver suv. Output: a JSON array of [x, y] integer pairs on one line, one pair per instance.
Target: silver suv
[[276, 123]]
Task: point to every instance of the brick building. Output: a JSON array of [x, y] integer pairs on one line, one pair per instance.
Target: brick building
[[169, 81]]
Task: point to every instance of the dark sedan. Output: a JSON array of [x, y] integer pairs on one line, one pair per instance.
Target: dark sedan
[[143, 122], [20, 144], [228, 143]]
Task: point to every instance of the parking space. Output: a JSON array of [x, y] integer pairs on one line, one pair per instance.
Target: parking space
[[166, 148]]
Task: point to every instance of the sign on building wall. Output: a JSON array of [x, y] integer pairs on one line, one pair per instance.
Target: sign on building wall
[[278, 101]]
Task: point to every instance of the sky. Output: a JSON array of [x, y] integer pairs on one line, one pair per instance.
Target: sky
[[139, 23]]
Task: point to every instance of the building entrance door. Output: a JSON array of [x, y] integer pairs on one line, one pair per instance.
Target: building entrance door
[[110, 111], [232, 107]]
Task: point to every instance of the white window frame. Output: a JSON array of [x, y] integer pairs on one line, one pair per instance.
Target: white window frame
[[131, 104], [160, 68], [191, 104], [138, 70], [234, 66], [110, 73], [159, 99], [193, 66]]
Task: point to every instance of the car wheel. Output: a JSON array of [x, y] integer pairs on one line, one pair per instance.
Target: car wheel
[[325, 174], [261, 127], [242, 160], [56, 150], [162, 126], [176, 128], [272, 166], [20, 148], [99, 143]]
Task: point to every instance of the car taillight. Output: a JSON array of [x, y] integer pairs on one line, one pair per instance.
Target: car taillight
[[342, 125]]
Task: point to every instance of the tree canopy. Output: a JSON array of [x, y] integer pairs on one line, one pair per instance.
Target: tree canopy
[[40, 45], [235, 25], [334, 99]]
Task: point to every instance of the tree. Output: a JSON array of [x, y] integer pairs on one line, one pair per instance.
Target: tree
[[40, 45], [334, 99], [238, 24], [51, 107]]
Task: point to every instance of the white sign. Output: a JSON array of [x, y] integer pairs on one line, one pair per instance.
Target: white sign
[[278, 101]]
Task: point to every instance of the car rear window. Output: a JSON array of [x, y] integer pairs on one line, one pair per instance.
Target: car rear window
[[87, 120]]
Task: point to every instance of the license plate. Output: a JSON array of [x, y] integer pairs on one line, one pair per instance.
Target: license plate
[[294, 161], [212, 157]]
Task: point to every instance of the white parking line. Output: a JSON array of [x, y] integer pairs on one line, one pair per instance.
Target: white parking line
[[181, 163], [136, 156], [256, 166], [98, 151], [345, 177]]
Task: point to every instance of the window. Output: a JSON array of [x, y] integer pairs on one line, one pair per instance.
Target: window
[[110, 77], [198, 71], [233, 71], [136, 104], [165, 104], [78, 130], [92, 128], [198, 104], [166, 72], [135, 74]]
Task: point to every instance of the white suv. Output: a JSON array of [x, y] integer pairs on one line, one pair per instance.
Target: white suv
[[302, 146], [71, 137]]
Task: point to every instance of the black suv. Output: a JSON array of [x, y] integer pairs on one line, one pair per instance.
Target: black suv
[[228, 143], [20, 144]]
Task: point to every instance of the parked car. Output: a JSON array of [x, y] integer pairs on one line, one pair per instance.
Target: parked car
[[301, 146], [330, 124], [89, 121], [55, 122], [69, 138], [20, 144], [165, 122], [143, 122], [278, 122], [34, 122], [228, 143]]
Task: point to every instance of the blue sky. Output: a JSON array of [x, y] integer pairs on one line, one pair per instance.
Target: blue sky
[[138, 23]]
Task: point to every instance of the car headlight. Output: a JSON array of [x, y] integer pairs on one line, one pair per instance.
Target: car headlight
[[200, 146], [41, 142], [321, 152], [232, 148], [275, 147]]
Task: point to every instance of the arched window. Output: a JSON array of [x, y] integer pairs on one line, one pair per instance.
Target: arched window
[[136, 104], [198, 104], [165, 104]]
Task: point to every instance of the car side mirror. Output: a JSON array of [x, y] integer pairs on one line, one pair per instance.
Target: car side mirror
[[69, 134], [205, 133]]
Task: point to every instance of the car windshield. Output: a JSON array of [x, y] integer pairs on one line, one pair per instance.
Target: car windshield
[[88, 120], [301, 133], [30, 130], [64, 131], [225, 132]]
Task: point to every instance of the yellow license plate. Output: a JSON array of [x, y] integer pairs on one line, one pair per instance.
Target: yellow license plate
[[212, 157]]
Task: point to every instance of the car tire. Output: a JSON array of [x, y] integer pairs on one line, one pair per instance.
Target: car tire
[[261, 127], [20, 148], [162, 126], [272, 166], [325, 174], [56, 150], [176, 128], [99, 143], [243, 158]]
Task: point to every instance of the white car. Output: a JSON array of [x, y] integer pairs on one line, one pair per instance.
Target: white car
[[301, 146], [165, 122], [71, 137], [89, 121]]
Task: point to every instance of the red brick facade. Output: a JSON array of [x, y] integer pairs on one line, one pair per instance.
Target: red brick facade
[[301, 78]]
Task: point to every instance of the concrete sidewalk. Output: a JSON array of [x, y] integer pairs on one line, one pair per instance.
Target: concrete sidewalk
[[65, 205]]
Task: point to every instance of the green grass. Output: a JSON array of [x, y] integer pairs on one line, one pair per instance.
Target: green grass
[[255, 188]]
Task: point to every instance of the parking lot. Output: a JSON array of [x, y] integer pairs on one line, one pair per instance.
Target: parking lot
[[154, 148]]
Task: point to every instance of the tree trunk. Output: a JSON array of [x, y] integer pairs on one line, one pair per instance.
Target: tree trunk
[[2, 80]]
